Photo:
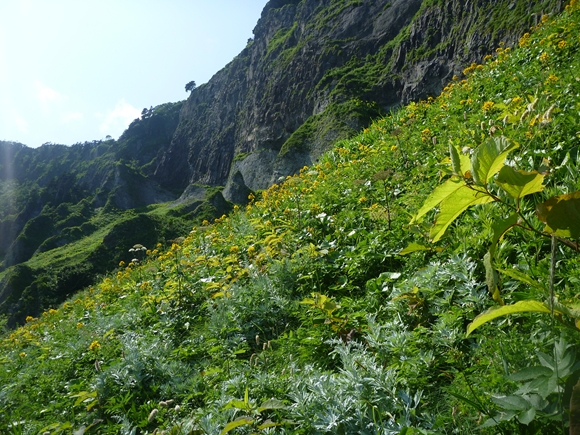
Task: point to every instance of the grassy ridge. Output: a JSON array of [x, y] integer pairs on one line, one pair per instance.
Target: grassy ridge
[[298, 315]]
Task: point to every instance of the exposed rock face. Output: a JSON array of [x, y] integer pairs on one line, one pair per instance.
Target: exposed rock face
[[318, 70]]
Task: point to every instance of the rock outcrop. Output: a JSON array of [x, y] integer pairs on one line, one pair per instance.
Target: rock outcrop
[[318, 70]]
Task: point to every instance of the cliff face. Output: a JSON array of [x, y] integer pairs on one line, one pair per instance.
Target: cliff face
[[318, 70]]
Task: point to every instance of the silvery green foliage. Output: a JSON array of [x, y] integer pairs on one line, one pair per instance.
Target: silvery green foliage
[[361, 398], [257, 308]]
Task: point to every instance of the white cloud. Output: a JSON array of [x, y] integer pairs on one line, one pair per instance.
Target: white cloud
[[69, 117], [119, 118], [45, 94]]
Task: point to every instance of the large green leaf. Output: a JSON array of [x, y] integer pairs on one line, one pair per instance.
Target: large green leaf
[[495, 312], [439, 194], [455, 204], [499, 229], [519, 183], [489, 158], [413, 247], [561, 214], [241, 421]]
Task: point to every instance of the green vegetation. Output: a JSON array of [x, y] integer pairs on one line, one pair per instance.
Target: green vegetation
[[63, 211], [332, 303]]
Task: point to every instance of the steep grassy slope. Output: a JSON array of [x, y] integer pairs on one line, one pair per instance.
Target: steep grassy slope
[[298, 314]]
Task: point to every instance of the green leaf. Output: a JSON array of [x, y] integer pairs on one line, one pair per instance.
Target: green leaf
[[491, 279], [520, 276], [495, 312], [518, 184], [561, 214], [511, 403], [439, 194], [527, 416], [271, 404], [241, 421], [530, 373], [236, 404], [455, 160], [468, 401], [499, 229], [489, 158], [413, 247], [268, 424], [455, 204]]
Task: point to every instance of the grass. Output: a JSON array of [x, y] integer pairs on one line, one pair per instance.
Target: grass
[[296, 314]]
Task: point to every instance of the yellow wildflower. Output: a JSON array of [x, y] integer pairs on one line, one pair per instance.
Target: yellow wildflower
[[95, 345], [234, 249], [394, 148], [121, 263], [29, 319], [562, 44], [488, 105], [551, 79], [362, 199]]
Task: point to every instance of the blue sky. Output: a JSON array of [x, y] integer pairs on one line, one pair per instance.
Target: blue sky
[[79, 70]]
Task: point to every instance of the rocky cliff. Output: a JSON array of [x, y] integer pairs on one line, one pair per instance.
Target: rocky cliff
[[318, 70]]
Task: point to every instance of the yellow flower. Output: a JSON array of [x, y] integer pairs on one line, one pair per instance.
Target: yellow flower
[[426, 135], [22, 354], [394, 148], [488, 105], [524, 40], [551, 79], [79, 325], [121, 263], [29, 319], [362, 199], [234, 249], [95, 345], [562, 44]]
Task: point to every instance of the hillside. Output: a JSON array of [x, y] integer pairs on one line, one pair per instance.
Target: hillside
[[315, 72], [421, 278]]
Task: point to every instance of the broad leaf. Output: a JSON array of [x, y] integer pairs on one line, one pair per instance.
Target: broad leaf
[[530, 373], [455, 204], [495, 312], [439, 194], [413, 247], [518, 184], [527, 416], [489, 158], [499, 229], [271, 404], [520, 276], [511, 403], [241, 421], [561, 214]]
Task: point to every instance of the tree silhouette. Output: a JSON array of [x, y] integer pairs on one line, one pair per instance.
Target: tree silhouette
[[190, 86]]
